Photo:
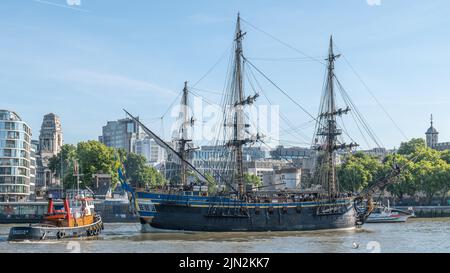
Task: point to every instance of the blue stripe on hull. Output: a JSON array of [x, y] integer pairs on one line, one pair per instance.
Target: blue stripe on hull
[[158, 198], [147, 213]]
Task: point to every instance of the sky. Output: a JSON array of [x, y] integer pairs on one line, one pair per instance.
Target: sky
[[86, 60]]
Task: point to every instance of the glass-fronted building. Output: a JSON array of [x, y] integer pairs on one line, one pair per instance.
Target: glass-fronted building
[[122, 133], [15, 148]]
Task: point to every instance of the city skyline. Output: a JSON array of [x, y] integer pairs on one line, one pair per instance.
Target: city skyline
[[86, 65]]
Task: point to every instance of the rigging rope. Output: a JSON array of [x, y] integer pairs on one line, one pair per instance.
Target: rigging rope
[[285, 119], [289, 97], [357, 113], [281, 59], [214, 66], [170, 106], [366, 87], [283, 43], [323, 63]]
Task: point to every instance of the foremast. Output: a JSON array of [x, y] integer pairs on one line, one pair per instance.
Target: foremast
[[183, 141], [328, 130]]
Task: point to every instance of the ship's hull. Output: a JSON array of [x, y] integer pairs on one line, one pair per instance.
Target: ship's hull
[[210, 213], [257, 218], [45, 232]]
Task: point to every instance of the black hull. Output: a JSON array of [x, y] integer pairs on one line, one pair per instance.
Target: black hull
[[39, 232], [182, 217]]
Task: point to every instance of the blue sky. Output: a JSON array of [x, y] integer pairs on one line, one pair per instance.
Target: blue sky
[[85, 63]]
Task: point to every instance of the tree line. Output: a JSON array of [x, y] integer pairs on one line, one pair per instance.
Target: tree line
[[93, 157], [425, 171]]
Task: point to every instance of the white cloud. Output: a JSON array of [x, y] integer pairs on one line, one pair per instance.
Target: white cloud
[[114, 82]]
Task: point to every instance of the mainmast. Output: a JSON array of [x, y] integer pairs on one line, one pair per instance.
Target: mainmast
[[239, 118], [332, 132], [239, 101], [327, 127]]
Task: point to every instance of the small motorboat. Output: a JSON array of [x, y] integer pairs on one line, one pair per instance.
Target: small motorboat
[[383, 214], [76, 219]]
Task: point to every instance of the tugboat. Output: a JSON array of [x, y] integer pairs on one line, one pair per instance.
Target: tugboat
[[76, 219], [180, 207]]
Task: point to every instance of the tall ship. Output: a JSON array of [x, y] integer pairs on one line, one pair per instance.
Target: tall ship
[[234, 208]]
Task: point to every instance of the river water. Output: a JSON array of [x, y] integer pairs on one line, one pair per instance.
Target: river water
[[417, 235]]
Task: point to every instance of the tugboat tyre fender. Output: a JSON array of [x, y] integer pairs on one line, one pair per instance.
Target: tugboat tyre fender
[[60, 234]]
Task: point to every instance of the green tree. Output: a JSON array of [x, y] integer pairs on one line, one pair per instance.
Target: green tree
[[212, 183], [445, 155], [140, 174], [429, 171], [407, 148], [444, 182], [252, 179], [94, 157], [63, 162], [405, 183], [358, 171], [424, 170]]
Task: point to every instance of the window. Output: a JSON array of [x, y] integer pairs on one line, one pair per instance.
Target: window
[[28, 209], [5, 170], [24, 154], [10, 144], [13, 135], [130, 127], [23, 171], [7, 152]]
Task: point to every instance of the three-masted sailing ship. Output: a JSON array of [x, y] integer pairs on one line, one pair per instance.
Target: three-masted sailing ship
[[237, 209]]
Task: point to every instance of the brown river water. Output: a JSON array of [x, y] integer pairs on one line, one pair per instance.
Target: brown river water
[[416, 236]]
